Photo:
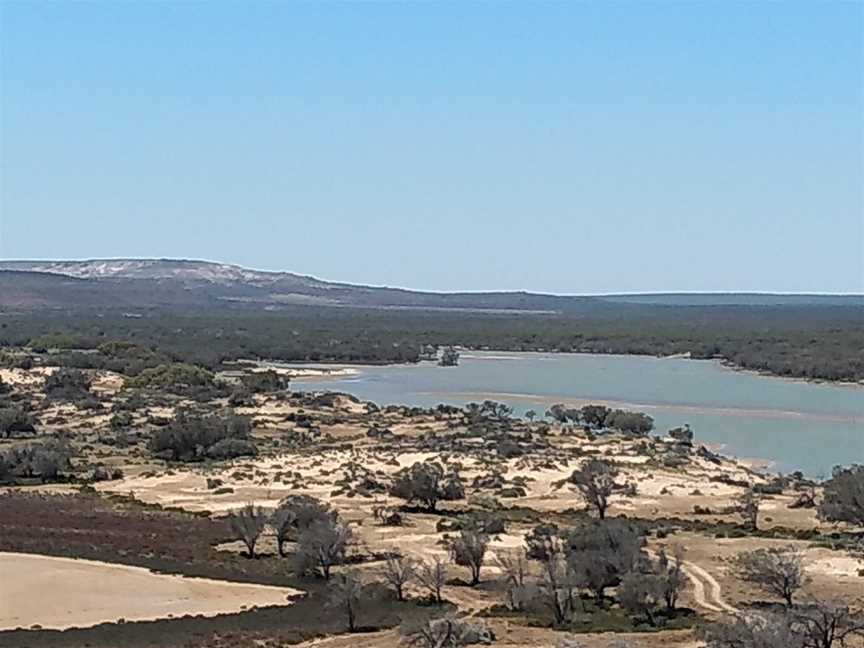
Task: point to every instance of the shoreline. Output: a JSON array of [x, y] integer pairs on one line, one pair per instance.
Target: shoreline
[[685, 355], [722, 363]]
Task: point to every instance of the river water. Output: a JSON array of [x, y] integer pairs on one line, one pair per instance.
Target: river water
[[794, 425]]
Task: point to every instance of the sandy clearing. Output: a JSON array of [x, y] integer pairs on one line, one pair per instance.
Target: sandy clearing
[[64, 593]]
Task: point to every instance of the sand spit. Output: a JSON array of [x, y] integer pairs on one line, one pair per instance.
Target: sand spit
[[60, 593]]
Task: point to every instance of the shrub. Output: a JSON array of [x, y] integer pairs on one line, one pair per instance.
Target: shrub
[[180, 379], [46, 461], [194, 438], [15, 419], [231, 448], [296, 513], [843, 499], [68, 385], [427, 483], [600, 553], [265, 381], [120, 420]]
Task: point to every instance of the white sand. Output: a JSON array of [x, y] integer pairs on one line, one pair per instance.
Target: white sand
[[64, 593]]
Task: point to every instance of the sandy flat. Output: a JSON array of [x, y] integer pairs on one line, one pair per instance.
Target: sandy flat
[[68, 593]]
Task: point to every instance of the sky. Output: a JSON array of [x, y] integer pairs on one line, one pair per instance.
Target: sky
[[549, 146]]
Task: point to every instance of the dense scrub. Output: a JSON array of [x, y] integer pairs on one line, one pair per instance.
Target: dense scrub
[[195, 438], [820, 342]]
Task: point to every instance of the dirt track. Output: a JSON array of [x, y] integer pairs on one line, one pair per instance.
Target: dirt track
[[706, 590]]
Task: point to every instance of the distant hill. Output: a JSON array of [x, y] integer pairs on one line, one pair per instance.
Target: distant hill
[[737, 299], [141, 283]]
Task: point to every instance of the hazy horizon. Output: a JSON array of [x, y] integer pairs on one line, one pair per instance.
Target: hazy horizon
[[584, 148]]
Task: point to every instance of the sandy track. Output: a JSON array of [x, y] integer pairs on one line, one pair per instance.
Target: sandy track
[[706, 590], [64, 593]]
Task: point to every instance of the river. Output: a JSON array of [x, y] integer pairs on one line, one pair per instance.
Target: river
[[794, 425]]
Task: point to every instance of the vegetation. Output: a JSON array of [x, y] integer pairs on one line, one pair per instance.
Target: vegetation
[[817, 342], [189, 437], [778, 571], [446, 632], [345, 595], [294, 515], [468, 549], [597, 481], [600, 554], [843, 499], [180, 379], [432, 575], [70, 385], [398, 571], [248, 523], [428, 483], [15, 419], [322, 545], [449, 357], [818, 624], [45, 461], [748, 506], [600, 417]]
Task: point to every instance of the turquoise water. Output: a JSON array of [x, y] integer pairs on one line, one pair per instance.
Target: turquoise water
[[793, 424]]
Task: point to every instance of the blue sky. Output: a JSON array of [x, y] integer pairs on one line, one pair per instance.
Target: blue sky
[[560, 147]]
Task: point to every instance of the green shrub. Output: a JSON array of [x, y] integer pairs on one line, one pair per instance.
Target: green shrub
[[194, 438], [181, 379]]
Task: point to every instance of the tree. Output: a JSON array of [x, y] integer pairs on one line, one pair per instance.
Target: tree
[[295, 514], [747, 504], [16, 419], [776, 570], [596, 482], [629, 422], [594, 416], [189, 437], [345, 593], [545, 545], [446, 632], [555, 586], [427, 483], [753, 630], [671, 573], [682, 435], [824, 624], [514, 566], [265, 381], [531, 415], [601, 553], [449, 357], [543, 541], [469, 548], [67, 384], [641, 594], [563, 414], [247, 524], [495, 410], [398, 571], [819, 624], [843, 496], [432, 574], [322, 545]]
